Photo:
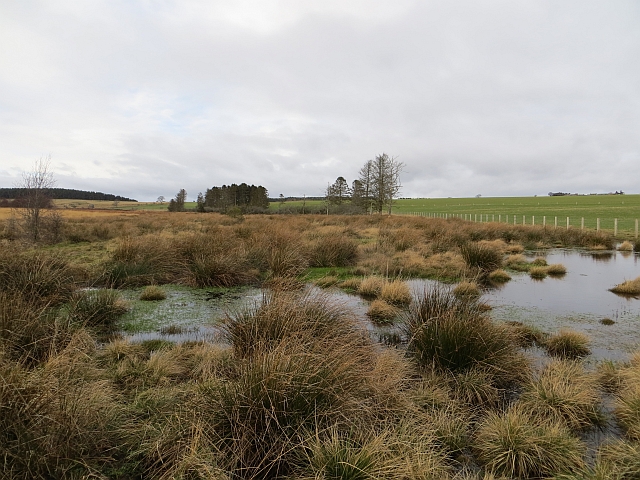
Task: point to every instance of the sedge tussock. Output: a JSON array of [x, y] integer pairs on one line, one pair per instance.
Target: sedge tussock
[[538, 273], [499, 276], [566, 392], [466, 289], [371, 286], [396, 293], [628, 287], [153, 293], [381, 312], [625, 246], [517, 444], [567, 344]]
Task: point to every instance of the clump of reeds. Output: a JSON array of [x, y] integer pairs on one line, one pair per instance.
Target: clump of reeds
[[518, 444], [99, 309], [381, 312], [499, 276], [628, 287], [539, 262], [483, 257], [626, 246], [396, 293], [334, 251], [556, 270], [371, 286], [567, 344], [525, 335], [466, 289], [452, 334], [153, 293], [38, 276], [538, 273], [351, 284], [565, 392], [618, 459], [326, 281]]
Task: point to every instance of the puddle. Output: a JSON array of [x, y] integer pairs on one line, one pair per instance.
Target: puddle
[[187, 314]]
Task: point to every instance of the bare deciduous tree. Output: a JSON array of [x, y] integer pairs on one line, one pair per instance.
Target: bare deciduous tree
[[380, 179], [35, 200]]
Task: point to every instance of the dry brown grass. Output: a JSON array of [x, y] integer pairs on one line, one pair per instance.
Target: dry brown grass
[[628, 287], [371, 286], [381, 312], [626, 246], [396, 293], [466, 289], [499, 276]]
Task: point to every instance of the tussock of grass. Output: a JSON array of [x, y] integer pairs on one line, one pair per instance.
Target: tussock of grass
[[371, 286], [351, 284], [452, 334], [567, 344], [499, 276], [517, 444], [556, 269], [153, 293], [565, 392], [396, 293], [628, 287], [525, 335], [625, 246], [627, 407], [607, 321], [483, 257], [334, 251], [538, 272], [381, 312], [98, 309], [618, 460], [466, 289], [327, 281], [539, 262]]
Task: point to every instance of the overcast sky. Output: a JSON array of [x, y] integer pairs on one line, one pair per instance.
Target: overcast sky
[[499, 97]]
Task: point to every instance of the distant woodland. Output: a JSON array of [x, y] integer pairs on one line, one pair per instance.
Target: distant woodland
[[9, 195]]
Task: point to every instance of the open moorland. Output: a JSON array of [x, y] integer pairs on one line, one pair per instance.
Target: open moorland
[[294, 386]]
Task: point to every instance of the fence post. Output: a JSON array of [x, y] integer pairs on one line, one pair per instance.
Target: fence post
[[523, 220], [493, 217], [597, 224], [582, 224], [555, 223], [567, 223], [615, 227], [636, 228], [499, 218], [544, 220], [514, 219], [475, 217], [533, 219]]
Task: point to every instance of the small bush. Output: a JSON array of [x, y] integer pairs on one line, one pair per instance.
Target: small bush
[[153, 293], [517, 444], [381, 312], [396, 293], [628, 287], [567, 344]]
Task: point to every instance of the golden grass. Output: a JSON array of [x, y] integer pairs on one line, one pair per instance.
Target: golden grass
[[153, 293], [351, 284], [396, 293], [466, 289], [499, 276], [567, 344], [381, 312], [626, 246], [557, 270], [628, 287], [538, 273], [371, 286]]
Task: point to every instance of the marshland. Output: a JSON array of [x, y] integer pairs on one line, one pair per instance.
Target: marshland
[[183, 345]]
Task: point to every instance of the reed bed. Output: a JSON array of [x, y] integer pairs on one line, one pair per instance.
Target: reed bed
[[628, 287]]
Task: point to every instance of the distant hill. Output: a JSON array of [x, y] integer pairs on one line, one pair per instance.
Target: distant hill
[[66, 193]]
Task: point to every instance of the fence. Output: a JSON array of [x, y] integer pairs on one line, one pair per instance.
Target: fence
[[565, 222]]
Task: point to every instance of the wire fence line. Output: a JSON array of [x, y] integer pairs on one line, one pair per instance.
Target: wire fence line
[[626, 225]]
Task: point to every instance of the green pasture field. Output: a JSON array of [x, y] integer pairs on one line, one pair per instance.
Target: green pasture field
[[626, 208], [111, 205]]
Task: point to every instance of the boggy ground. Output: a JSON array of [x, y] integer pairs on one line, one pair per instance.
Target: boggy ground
[[295, 389]]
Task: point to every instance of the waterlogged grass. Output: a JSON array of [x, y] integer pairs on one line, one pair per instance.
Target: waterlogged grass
[[184, 306]]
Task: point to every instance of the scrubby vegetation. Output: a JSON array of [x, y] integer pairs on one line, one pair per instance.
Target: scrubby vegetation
[[297, 388]]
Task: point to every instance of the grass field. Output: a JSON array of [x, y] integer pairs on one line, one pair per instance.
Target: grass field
[[626, 208]]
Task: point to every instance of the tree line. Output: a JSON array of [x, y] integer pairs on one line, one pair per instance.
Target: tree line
[[63, 193], [243, 198], [374, 191]]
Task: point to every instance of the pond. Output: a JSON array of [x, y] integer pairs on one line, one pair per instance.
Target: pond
[[578, 300]]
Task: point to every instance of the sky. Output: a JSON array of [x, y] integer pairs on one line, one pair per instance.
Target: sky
[[490, 97]]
